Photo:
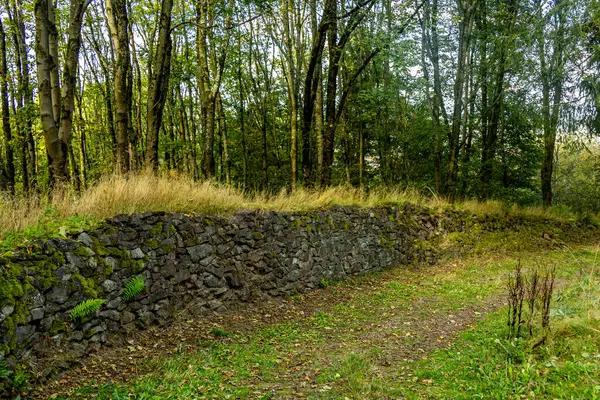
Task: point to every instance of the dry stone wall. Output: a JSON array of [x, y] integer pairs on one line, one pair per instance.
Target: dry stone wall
[[196, 264]]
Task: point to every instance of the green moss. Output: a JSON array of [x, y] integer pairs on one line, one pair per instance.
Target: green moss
[[57, 327], [388, 244], [44, 272], [329, 221], [346, 226], [20, 313], [9, 328], [117, 252], [157, 229], [138, 265], [391, 217], [83, 251], [108, 270], [98, 248], [152, 243], [295, 224], [167, 248], [308, 227], [257, 236], [88, 285], [10, 290], [208, 222]]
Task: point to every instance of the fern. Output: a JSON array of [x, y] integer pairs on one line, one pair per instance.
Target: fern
[[5, 371], [85, 308], [133, 287]]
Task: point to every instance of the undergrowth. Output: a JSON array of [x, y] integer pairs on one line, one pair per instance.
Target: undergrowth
[[23, 219]]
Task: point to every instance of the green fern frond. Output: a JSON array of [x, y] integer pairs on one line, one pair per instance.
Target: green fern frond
[[85, 308], [133, 287], [5, 371]]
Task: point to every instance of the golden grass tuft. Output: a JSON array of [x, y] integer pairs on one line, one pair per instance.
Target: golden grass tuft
[[173, 192]]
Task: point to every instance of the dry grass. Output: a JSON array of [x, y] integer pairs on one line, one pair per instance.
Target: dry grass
[[175, 193]]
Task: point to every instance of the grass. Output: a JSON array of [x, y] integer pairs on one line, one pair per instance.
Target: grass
[[23, 219], [482, 363], [336, 352]]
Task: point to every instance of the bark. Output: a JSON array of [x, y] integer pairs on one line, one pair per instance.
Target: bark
[[118, 23], [47, 64], [466, 11], [209, 82], [25, 97], [552, 88], [159, 85], [9, 166], [489, 143], [69, 82]]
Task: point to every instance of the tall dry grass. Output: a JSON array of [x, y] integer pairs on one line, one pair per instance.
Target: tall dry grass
[[114, 195]]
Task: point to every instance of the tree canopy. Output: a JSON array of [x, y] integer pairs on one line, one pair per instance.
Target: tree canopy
[[488, 99]]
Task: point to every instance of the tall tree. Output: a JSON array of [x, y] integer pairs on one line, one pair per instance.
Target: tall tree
[[9, 162], [118, 23], [551, 75], [159, 85]]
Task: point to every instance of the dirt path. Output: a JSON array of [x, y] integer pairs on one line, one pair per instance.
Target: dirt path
[[397, 333]]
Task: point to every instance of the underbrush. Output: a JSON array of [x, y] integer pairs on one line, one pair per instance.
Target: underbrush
[[27, 218]]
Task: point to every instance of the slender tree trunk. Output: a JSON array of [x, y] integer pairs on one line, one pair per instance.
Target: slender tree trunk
[[9, 167], [47, 65], [159, 85], [118, 23], [69, 82], [489, 144], [552, 88], [466, 10]]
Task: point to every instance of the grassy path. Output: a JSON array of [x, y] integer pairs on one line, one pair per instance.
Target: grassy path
[[407, 333]]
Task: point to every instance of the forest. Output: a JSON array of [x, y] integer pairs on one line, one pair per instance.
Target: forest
[[485, 99]]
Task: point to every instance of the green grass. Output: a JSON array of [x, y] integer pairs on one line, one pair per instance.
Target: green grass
[[333, 347], [482, 363], [49, 225]]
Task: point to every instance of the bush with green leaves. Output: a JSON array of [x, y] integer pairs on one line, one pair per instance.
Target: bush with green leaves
[[85, 308], [133, 287]]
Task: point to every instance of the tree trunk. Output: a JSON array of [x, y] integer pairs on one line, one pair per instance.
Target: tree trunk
[[466, 10], [9, 167], [489, 144], [552, 87], [47, 64], [69, 82], [118, 23], [159, 85]]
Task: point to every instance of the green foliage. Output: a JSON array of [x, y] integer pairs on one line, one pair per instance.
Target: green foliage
[[5, 371], [85, 308], [220, 332], [323, 283], [133, 287]]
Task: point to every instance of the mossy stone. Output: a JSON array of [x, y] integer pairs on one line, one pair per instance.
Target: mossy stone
[[151, 243]]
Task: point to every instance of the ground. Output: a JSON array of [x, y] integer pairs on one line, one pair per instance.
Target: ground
[[411, 332]]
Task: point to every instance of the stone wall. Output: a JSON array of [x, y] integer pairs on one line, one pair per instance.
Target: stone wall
[[198, 264]]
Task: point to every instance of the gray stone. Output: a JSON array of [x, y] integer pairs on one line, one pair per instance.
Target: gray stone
[[59, 294], [200, 252], [24, 332], [127, 317], [137, 254], [114, 303], [111, 262], [109, 286], [6, 311], [37, 314], [85, 238], [111, 314], [212, 281]]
